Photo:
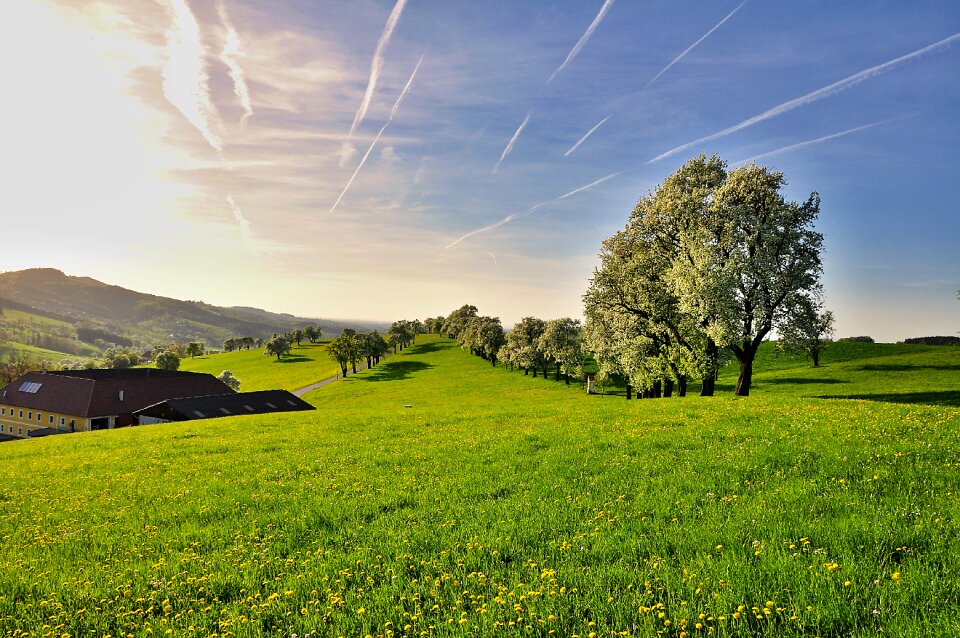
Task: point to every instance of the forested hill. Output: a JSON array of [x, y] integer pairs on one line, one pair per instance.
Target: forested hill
[[143, 317]]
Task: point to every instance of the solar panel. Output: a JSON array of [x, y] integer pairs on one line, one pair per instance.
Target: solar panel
[[31, 387]]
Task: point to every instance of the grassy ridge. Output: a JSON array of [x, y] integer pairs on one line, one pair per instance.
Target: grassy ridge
[[304, 365], [498, 501]]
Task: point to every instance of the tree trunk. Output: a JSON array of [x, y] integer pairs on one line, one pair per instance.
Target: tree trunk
[[369, 364], [493, 360], [712, 353], [816, 358], [745, 378], [629, 389], [682, 385], [667, 388], [534, 372], [657, 389], [707, 389], [526, 372], [557, 377], [566, 376], [354, 364], [746, 352]]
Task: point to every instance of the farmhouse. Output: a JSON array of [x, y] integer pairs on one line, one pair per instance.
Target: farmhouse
[[84, 400], [190, 408]]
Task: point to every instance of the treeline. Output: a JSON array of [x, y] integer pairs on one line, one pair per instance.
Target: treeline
[[532, 345], [933, 341], [352, 347]]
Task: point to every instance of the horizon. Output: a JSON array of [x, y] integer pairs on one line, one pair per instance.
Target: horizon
[[397, 160]]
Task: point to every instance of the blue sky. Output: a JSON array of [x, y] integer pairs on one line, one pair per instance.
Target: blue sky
[[213, 151]]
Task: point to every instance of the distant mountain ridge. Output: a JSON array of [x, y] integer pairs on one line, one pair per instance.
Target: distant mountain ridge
[[143, 317]]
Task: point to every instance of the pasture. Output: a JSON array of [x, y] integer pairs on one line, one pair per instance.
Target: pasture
[[304, 365], [823, 505]]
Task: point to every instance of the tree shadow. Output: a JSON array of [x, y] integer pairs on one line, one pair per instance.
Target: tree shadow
[[395, 371], [423, 348], [294, 358], [945, 397], [905, 367], [802, 381]]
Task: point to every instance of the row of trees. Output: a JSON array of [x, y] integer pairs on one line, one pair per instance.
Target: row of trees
[[351, 347], [532, 345]]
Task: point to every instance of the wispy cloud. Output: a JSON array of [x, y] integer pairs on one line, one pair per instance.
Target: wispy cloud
[[813, 96], [509, 148], [583, 39], [694, 45], [825, 138], [241, 219], [584, 138], [533, 209], [186, 84], [230, 56], [376, 63], [393, 113]]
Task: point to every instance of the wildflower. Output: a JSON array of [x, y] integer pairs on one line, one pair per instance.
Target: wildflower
[[895, 576]]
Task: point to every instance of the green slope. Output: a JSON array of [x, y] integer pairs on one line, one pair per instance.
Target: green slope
[[306, 364], [501, 504]]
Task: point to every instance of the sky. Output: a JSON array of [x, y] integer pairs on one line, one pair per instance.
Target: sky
[[387, 159]]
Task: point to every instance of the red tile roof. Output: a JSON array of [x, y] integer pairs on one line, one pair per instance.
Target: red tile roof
[[96, 393]]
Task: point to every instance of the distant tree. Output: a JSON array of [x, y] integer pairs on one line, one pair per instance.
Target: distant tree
[[278, 345], [561, 343], [524, 341], [227, 378], [372, 347], [861, 339], [312, 334], [807, 331], [195, 349], [229, 345], [297, 335], [258, 342], [168, 360], [454, 324], [339, 351]]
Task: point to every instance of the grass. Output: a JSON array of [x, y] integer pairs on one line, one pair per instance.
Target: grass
[[501, 503], [304, 365], [9, 348]]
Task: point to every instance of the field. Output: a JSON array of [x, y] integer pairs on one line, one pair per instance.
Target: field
[[437, 496], [304, 365]]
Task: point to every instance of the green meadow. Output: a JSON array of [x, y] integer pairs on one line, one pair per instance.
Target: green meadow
[[306, 364], [436, 495]]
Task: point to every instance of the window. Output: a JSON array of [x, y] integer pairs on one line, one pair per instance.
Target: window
[[225, 411], [3, 410], [21, 414], [62, 420], [19, 431], [40, 417], [30, 415], [51, 418], [200, 414], [271, 405]]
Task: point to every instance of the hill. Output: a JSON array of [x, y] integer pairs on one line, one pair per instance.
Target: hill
[[437, 496], [125, 315], [306, 364]]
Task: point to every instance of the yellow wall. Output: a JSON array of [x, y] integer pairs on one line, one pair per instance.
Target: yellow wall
[[10, 417]]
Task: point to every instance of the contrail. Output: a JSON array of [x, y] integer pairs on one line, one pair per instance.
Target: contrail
[[230, 57], [583, 39], [694, 45], [393, 113], [377, 63], [185, 81], [533, 209], [509, 147], [584, 138], [241, 219], [786, 149], [819, 94]]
